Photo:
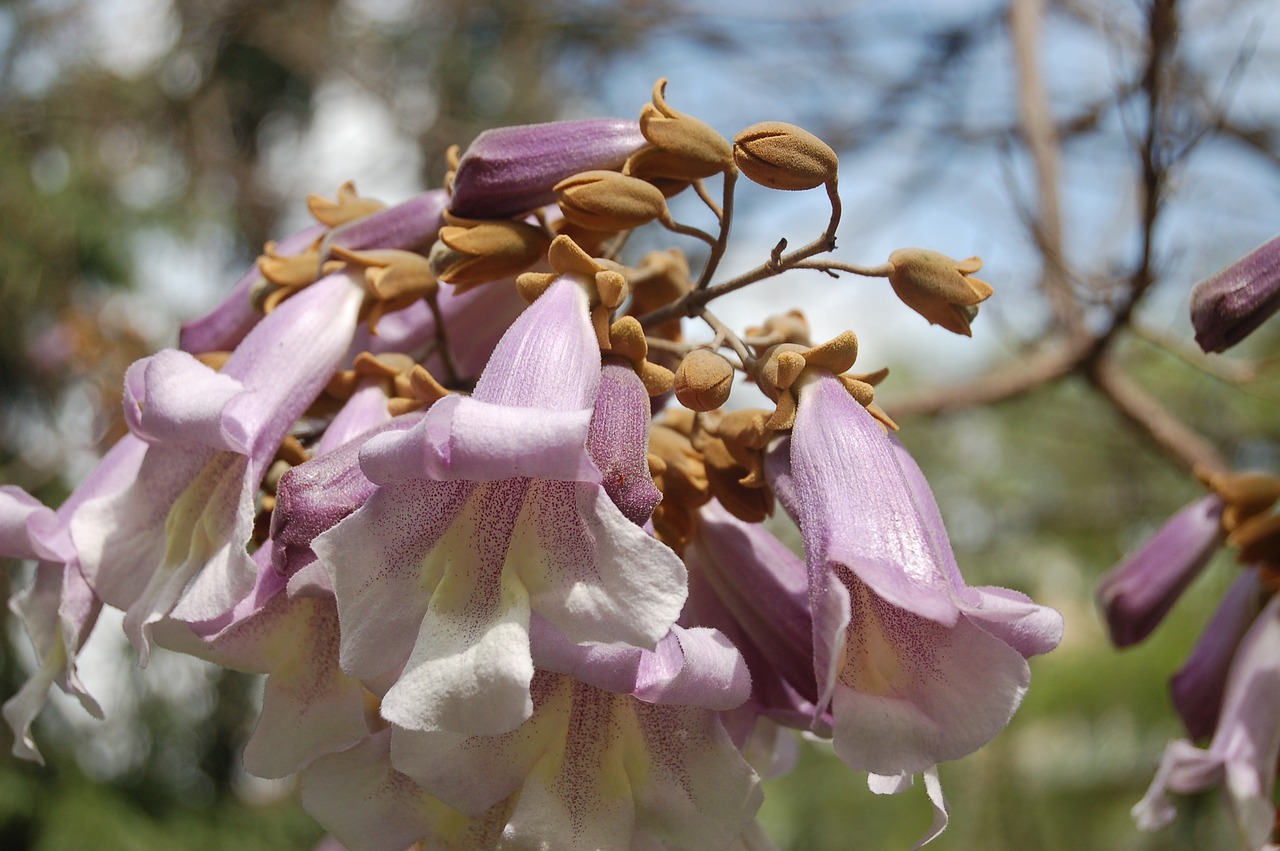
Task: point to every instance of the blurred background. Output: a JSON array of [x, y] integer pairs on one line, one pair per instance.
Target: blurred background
[[1100, 155]]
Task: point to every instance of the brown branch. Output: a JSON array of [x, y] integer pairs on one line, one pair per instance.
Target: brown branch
[[1151, 418], [1025, 20], [998, 385]]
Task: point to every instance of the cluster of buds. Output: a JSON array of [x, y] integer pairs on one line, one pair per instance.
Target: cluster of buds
[[450, 474]]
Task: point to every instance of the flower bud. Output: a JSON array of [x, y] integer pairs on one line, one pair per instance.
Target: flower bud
[[938, 287], [489, 251], [609, 201], [783, 156], [695, 150], [512, 170], [703, 380], [1136, 594], [1227, 307]]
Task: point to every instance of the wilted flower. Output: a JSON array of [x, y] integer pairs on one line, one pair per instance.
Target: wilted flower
[[938, 288]]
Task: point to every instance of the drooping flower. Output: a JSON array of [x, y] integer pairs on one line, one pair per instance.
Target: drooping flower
[[915, 666], [177, 535], [745, 583], [59, 610], [1241, 758], [1136, 594], [1230, 305], [621, 744], [486, 511], [310, 707]]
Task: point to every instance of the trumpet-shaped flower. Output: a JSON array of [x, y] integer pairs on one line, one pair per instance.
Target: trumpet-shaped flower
[[289, 632], [916, 667], [177, 535], [486, 511], [1241, 758], [622, 743], [59, 610]]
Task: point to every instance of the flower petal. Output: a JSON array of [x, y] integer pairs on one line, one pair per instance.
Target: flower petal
[[1198, 686], [847, 490], [590, 571], [912, 692], [462, 438], [375, 558]]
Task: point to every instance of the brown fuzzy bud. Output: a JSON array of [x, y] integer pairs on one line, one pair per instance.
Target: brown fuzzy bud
[[784, 156], [703, 380], [938, 287], [692, 150], [608, 201]]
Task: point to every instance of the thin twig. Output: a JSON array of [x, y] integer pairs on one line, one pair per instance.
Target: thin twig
[[726, 221]]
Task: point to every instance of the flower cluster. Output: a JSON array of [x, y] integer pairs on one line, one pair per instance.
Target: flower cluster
[[1228, 691], [450, 476]]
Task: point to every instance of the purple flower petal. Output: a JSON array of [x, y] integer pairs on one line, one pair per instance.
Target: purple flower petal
[[618, 441], [313, 497], [28, 529], [745, 583], [1198, 686], [408, 225], [1136, 594], [855, 507], [511, 170]]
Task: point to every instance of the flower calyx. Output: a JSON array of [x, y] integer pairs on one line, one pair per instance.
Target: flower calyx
[[687, 149], [469, 253], [733, 445], [938, 287], [782, 365], [407, 384], [603, 281], [679, 473], [626, 339], [284, 275], [1247, 517], [609, 201], [789, 327], [661, 278], [348, 206], [784, 156], [393, 278]]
